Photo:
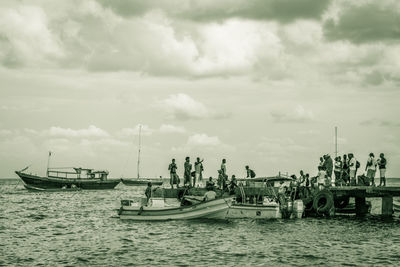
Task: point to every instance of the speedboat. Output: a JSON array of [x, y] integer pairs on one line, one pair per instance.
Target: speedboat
[[212, 209]]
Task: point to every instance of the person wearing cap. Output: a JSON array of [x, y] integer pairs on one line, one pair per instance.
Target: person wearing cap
[[370, 168]]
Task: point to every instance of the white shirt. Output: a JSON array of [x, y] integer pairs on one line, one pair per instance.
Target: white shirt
[[210, 195], [373, 165], [352, 164]]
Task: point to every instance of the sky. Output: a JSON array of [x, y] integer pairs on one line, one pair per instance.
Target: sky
[[262, 83]]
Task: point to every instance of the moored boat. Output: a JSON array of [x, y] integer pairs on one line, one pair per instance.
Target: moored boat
[[79, 178], [213, 209]]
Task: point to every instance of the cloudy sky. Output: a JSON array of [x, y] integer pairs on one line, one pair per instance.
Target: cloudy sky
[[260, 83]]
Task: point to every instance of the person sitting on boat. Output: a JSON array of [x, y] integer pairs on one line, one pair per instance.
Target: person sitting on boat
[[232, 185], [209, 195], [210, 184], [250, 172], [221, 180]]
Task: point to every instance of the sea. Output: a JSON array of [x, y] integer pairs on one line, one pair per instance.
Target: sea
[[81, 228]]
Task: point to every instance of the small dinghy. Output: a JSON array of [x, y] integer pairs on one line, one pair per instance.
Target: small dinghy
[[213, 209]]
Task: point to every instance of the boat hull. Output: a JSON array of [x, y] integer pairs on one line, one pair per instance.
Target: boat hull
[[59, 183], [248, 211], [141, 182], [214, 209], [37, 189]]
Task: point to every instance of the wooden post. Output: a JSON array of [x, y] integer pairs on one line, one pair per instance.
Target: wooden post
[[361, 207], [387, 206]]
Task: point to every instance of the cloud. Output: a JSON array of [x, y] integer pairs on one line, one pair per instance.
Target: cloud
[[373, 21], [91, 131], [380, 123], [203, 140], [184, 107], [298, 115], [126, 132], [168, 128], [5, 132], [208, 10], [25, 38]]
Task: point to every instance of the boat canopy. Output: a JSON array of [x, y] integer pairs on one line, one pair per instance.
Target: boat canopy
[[75, 172]]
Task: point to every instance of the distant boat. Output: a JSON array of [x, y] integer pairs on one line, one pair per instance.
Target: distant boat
[[142, 181], [79, 178]]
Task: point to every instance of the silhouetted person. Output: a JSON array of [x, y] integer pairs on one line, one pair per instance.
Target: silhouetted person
[[188, 171], [250, 172], [382, 169]]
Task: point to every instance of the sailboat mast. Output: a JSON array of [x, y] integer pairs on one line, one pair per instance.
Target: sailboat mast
[[336, 146], [138, 161]]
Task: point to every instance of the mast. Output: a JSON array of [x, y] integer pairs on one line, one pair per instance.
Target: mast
[[336, 146], [138, 161], [48, 163]]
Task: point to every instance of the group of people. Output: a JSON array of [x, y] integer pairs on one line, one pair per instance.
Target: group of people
[[193, 178], [345, 170]]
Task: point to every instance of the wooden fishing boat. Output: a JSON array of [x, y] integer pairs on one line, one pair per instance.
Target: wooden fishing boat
[[80, 178], [142, 181], [64, 189], [213, 209]]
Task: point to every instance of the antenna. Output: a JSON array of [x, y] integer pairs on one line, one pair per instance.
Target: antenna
[[138, 161], [336, 146]]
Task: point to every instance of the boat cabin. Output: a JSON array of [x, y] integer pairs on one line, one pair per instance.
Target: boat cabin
[[77, 173]]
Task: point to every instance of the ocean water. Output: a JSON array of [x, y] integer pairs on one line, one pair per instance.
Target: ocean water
[[82, 229]]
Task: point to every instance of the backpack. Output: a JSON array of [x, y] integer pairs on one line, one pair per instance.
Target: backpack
[[252, 174], [358, 165]]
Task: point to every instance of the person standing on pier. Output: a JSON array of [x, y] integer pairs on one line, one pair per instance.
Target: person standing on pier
[[198, 168], [338, 170], [187, 173], [223, 167], [353, 169], [174, 177], [345, 170], [328, 164], [370, 168], [382, 169]]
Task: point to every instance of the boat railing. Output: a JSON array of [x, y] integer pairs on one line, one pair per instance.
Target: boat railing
[[76, 175]]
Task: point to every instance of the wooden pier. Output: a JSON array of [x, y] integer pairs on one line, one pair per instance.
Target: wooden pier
[[360, 194]]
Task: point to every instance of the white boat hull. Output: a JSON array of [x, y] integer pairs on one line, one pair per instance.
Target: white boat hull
[[241, 211], [215, 209]]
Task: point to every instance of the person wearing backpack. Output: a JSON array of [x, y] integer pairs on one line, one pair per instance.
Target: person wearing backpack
[[382, 169], [250, 172]]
